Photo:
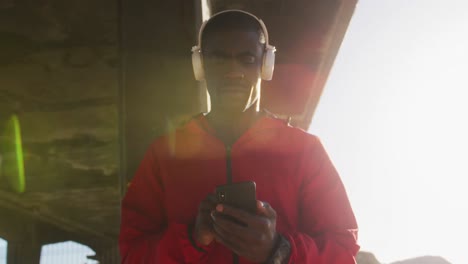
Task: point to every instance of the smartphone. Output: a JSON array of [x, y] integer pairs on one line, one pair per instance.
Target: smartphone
[[241, 195]]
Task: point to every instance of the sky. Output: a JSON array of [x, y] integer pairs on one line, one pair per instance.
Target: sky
[[3, 251], [68, 252], [394, 119]]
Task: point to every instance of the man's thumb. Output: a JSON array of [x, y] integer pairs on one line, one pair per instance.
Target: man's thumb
[[263, 208]]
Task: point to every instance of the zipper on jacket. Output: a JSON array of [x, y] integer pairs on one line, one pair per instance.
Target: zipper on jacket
[[235, 257], [228, 165]]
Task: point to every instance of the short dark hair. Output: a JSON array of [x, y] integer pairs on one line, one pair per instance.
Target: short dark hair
[[229, 21]]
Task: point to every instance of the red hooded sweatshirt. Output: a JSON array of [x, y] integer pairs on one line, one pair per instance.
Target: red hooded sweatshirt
[[292, 171]]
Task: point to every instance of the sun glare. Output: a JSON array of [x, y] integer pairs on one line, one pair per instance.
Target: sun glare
[[393, 117]]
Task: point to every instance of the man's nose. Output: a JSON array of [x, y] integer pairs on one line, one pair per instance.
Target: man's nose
[[234, 75], [234, 70]]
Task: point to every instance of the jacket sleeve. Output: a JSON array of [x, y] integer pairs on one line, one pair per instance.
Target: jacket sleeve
[[327, 227], [145, 235]]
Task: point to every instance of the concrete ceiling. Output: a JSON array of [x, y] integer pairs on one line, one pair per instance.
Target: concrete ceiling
[[74, 70]]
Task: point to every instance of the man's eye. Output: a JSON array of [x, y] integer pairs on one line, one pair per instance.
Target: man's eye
[[216, 59], [248, 59]]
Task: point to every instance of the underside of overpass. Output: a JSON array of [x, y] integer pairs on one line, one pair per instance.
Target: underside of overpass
[[93, 82]]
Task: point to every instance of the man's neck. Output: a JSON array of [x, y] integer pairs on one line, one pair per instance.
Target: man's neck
[[230, 127]]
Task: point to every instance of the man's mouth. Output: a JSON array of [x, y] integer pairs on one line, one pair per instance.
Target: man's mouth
[[232, 91], [233, 87]]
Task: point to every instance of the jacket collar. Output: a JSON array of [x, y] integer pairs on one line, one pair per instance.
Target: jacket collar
[[200, 124]]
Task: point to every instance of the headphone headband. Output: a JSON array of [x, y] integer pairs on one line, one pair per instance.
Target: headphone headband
[[262, 25]]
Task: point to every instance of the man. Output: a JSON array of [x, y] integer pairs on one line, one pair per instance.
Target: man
[[170, 215]]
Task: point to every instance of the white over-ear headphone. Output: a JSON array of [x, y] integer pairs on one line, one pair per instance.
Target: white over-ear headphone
[[268, 64]]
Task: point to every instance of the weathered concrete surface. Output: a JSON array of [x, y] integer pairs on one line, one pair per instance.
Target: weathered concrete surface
[[59, 74]]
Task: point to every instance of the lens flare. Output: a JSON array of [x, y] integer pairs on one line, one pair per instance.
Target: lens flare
[[12, 155]]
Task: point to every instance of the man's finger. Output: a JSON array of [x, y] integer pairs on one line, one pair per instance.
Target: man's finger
[[233, 229], [242, 248], [208, 203], [211, 198], [241, 215], [227, 243], [206, 206], [264, 208], [227, 239]]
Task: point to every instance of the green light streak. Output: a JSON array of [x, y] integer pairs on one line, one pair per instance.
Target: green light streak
[[20, 186], [13, 158]]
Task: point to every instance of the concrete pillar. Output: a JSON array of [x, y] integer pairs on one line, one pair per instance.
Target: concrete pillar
[[25, 248], [23, 252], [157, 84]]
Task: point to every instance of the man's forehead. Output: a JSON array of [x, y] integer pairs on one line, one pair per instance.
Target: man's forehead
[[233, 38]]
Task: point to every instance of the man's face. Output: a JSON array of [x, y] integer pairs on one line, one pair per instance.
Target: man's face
[[232, 62]]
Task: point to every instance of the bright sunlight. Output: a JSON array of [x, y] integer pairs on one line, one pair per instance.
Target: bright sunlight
[[394, 118]]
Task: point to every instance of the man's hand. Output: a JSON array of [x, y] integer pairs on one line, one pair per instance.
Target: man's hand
[[203, 231], [256, 240]]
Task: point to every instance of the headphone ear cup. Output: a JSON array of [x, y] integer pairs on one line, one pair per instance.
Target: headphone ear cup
[[197, 64], [268, 63]]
